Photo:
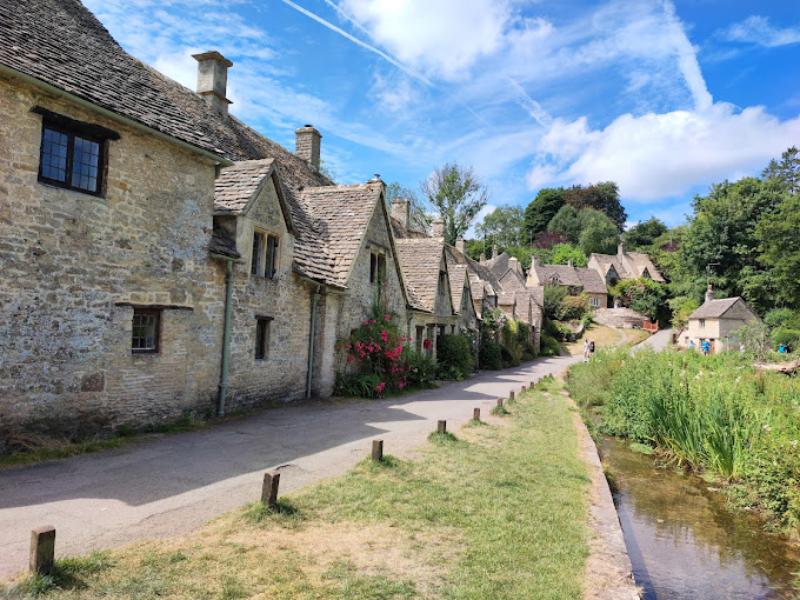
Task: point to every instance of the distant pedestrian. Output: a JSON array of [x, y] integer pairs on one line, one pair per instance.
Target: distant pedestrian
[[706, 347], [591, 347], [586, 350]]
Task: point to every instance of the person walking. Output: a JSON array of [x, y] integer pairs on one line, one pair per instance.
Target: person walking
[[586, 350]]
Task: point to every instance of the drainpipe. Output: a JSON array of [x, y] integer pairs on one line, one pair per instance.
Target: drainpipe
[[312, 331], [226, 339]]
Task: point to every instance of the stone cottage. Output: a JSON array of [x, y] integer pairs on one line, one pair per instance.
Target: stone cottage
[[624, 265], [717, 322], [159, 256], [576, 280]]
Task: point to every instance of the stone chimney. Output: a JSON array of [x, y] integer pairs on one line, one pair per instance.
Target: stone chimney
[[212, 80], [620, 249], [534, 261], [709, 293], [461, 246], [570, 264], [513, 264], [437, 229], [401, 211], [307, 143]]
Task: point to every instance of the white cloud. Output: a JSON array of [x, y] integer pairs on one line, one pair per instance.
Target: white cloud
[[443, 37], [393, 94], [758, 30], [663, 155]]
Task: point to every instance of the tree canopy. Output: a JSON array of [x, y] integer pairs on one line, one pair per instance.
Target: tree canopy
[[503, 227], [644, 234], [457, 195], [603, 197], [542, 209]]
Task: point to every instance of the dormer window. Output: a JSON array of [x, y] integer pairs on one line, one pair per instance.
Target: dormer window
[[272, 257], [377, 267], [72, 154]]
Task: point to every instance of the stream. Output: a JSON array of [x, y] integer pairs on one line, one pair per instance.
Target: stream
[[684, 543]]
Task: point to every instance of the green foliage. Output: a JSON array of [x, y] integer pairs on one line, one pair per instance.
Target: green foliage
[[512, 347], [779, 241], [420, 369], [490, 356], [573, 308], [542, 209], [458, 196], [474, 248], [782, 317], [785, 172], [602, 197], [754, 336], [644, 234], [567, 223], [598, 233], [553, 297], [549, 345], [561, 254], [715, 413], [503, 227], [642, 295], [455, 356], [681, 307], [790, 338]]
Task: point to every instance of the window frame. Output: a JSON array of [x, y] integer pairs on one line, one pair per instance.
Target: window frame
[[272, 256], [262, 341], [377, 267], [147, 311], [72, 129], [257, 259]]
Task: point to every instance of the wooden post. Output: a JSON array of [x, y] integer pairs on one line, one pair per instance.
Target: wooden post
[[43, 548], [377, 450], [523, 390], [269, 490], [441, 427], [476, 414], [511, 396], [500, 403], [533, 383]]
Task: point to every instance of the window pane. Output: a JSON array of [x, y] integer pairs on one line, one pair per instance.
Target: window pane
[[145, 331], [54, 155], [85, 164], [272, 256], [256, 258], [262, 338]]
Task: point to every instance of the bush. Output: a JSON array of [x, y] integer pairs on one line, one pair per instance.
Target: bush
[[550, 346], [782, 317], [572, 308], [643, 295], [786, 337], [490, 355], [455, 356], [420, 369], [553, 296]]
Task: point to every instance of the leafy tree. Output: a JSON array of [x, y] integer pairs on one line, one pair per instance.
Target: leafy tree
[[682, 307], [474, 248], [786, 171], [561, 254], [548, 239], [642, 295], [567, 223], [418, 215], [457, 195], [778, 234], [503, 227], [598, 233], [644, 234], [553, 296], [542, 209], [600, 196]]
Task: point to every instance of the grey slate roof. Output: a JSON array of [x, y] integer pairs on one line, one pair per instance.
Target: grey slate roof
[[420, 259], [715, 309], [591, 281], [237, 185], [561, 274], [458, 275], [631, 265]]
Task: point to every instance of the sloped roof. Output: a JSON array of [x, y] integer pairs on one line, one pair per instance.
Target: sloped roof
[[238, 184], [564, 274], [640, 262], [631, 265], [591, 281], [458, 276], [506, 298], [420, 259], [715, 309]]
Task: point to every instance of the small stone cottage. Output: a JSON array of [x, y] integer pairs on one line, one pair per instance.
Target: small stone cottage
[[623, 265], [716, 322], [576, 280]]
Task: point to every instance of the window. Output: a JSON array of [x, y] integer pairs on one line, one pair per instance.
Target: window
[[255, 259], [420, 337], [702, 323], [431, 334], [442, 281], [72, 153], [146, 330], [595, 302], [377, 267], [272, 257], [262, 337]]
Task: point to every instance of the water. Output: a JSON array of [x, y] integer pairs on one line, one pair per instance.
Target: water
[[685, 543]]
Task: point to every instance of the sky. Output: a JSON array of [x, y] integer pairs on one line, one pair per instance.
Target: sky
[[665, 97]]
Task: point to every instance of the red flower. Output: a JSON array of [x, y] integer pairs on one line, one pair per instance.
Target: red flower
[[380, 387], [387, 318], [385, 336], [427, 344]]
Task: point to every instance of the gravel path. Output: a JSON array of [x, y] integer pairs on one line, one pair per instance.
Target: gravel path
[[168, 485]]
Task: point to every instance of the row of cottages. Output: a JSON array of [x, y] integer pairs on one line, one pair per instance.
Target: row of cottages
[[160, 257]]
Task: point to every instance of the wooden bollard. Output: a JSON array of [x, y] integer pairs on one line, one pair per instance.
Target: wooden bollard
[[511, 396], [523, 390], [269, 490], [500, 403], [43, 549], [476, 414], [377, 450], [441, 427], [533, 383]]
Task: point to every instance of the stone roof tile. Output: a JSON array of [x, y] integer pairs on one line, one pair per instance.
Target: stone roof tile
[[420, 259]]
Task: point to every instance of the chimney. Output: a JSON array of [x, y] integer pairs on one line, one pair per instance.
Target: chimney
[[461, 245], [212, 80], [569, 263], [620, 249], [401, 211], [534, 261], [709, 293], [513, 264], [307, 145], [437, 229]]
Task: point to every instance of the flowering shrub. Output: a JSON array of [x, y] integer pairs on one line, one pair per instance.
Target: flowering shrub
[[377, 355]]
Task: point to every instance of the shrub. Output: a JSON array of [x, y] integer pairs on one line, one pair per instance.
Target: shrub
[[553, 296], [420, 369], [643, 295], [572, 308], [550, 346], [512, 348], [455, 356], [786, 337], [490, 355], [782, 317]]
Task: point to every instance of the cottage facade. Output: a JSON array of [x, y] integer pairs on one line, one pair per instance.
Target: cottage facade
[[623, 265], [716, 322], [575, 280]]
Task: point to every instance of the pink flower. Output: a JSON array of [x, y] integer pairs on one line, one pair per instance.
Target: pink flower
[[380, 387], [402, 383], [387, 318], [427, 344], [385, 336]]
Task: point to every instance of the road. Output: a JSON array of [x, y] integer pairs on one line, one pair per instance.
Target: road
[[658, 341], [167, 485]]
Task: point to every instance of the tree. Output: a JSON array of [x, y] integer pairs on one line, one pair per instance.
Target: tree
[[598, 233], [566, 222], [396, 191], [599, 196], [786, 171], [778, 234], [644, 234], [552, 297], [457, 195], [562, 254], [541, 209], [503, 227]]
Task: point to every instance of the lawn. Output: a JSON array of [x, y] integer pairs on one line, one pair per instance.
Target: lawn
[[607, 337], [497, 511]]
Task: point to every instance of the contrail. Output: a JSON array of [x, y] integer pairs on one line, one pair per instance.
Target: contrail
[[535, 110]]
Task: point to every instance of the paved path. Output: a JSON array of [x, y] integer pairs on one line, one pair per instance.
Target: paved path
[[658, 341], [168, 485]]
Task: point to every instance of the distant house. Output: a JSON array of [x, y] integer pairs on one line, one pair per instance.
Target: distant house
[[576, 280], [717, 322], [624, 265]]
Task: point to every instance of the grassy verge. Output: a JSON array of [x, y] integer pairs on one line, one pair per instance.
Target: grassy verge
[[495, 511], [714, 414]]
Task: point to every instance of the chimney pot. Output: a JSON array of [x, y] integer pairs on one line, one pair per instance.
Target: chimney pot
[[461, 245], [569, 263], [438, 228], [401, 211], [620, 249], [307, 144], [709, 293], [212, 80]]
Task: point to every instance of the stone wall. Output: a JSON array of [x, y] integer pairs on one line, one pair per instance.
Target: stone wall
[[73, 264]]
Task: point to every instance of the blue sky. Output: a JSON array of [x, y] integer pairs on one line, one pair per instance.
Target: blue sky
[[664, 97]]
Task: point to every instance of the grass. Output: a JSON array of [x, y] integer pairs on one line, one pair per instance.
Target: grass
[[607, 337], [497, 512]]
